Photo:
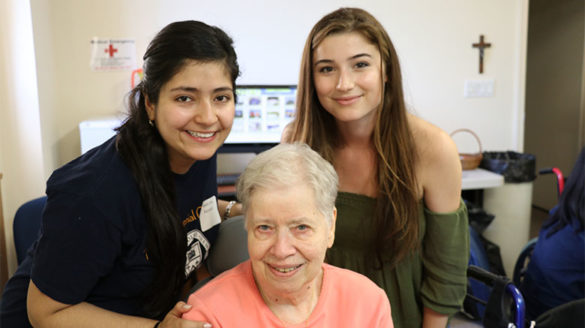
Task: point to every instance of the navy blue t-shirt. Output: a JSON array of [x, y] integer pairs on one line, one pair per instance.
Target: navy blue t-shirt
[[93, 242]]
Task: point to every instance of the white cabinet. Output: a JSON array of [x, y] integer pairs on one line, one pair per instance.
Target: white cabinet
[[94, 132]]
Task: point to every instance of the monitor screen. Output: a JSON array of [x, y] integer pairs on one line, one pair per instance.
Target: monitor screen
[[262, 112]]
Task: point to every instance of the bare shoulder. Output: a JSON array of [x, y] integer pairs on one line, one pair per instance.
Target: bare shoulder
[[432, 143], [438, 168]]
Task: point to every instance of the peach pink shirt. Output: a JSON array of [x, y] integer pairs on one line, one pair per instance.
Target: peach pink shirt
[[347, 299]]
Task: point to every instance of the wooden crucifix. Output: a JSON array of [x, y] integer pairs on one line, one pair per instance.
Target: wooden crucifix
[[481, 46]]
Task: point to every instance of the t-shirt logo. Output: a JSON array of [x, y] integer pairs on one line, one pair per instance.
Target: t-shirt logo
[[197, 250]]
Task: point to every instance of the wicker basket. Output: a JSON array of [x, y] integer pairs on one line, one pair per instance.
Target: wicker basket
[[470, 161]]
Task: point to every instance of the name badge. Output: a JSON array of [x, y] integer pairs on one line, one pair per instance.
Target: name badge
[[209, 214]]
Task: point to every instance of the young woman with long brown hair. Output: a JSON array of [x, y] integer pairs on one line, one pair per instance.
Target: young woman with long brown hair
[[401, 220]]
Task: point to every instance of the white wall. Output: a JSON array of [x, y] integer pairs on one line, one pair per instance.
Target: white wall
[[433, 39], [21, 160]]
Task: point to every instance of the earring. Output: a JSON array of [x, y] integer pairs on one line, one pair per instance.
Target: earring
[[151, 122]]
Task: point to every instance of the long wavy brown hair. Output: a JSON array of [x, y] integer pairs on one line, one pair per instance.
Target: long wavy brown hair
[[396, 219]]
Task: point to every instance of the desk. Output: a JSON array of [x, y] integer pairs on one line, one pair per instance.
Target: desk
[[480, 179], [473, 183], [471, 180]]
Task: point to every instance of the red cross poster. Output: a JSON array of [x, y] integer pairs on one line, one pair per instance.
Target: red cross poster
[[112, 54]]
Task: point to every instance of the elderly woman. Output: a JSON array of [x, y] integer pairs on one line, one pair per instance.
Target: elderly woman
[[288, 197]]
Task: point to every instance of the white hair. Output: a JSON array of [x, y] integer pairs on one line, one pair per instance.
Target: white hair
[[287, 164]]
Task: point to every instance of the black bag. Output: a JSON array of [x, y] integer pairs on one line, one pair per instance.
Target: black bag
[[515, 167]]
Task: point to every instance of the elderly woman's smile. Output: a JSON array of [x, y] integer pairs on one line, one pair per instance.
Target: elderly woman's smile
[[287, 237], [285, 269]]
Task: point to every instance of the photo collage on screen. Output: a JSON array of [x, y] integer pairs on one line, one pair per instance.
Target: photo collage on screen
[[262, 113]]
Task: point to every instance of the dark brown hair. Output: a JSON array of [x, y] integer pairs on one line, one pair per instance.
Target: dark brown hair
[[144, 151]]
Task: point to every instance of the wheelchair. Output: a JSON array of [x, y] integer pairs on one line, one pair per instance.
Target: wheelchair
[[496, 301]]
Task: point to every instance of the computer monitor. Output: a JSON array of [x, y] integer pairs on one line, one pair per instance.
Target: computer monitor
[[262, 112]]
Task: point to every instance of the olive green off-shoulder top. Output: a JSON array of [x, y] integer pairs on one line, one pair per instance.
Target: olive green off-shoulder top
[[432, 277]]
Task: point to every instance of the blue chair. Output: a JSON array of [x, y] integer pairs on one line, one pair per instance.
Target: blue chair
[[27, 225]]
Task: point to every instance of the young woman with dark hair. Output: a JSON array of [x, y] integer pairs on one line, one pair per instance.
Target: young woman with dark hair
[[128, 224]]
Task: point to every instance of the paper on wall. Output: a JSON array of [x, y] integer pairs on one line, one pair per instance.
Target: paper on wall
[[112, 54]]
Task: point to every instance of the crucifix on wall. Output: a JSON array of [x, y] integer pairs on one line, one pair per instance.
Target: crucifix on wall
[[481, 46]]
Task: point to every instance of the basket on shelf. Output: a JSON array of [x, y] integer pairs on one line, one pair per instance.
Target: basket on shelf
[[470, 161]]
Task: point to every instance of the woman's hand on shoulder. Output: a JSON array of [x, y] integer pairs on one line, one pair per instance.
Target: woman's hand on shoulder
[[438, 168], [173, 319]]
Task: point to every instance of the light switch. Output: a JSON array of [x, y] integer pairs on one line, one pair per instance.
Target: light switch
[[478, 88]]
